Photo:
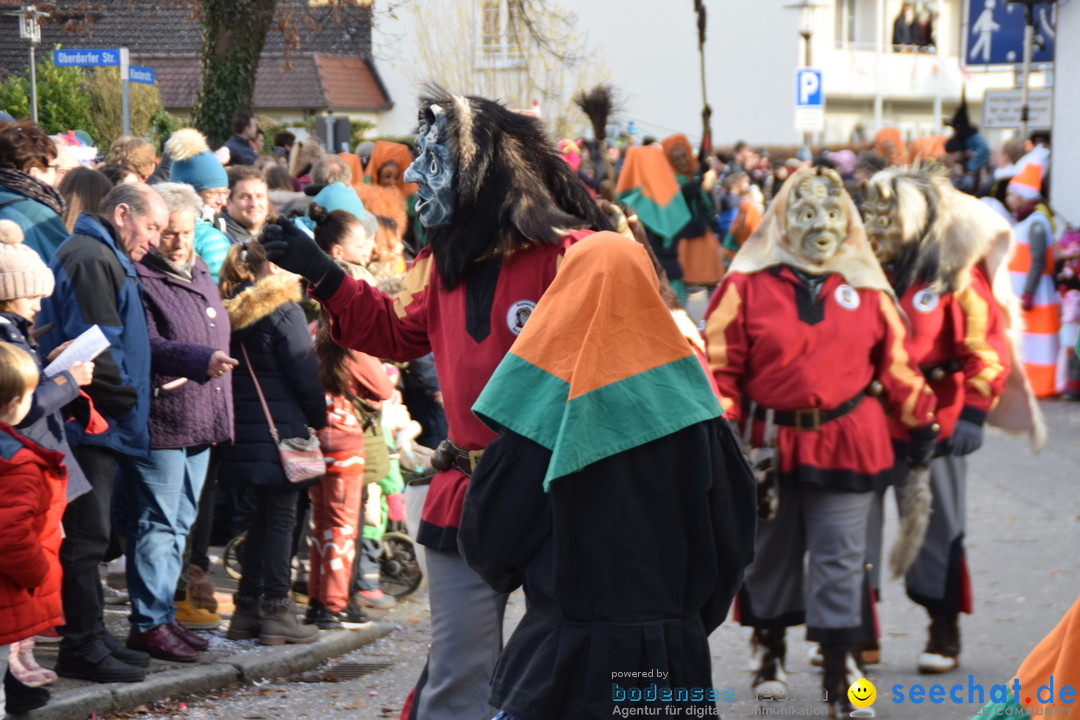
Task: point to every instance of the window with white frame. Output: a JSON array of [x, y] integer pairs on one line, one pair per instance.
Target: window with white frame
[[500, 43], [845, 22]]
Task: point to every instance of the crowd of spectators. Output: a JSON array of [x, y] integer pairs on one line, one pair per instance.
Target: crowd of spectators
[[161, 441]]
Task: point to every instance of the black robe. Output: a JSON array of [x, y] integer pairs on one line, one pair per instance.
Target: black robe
[[627, 566]]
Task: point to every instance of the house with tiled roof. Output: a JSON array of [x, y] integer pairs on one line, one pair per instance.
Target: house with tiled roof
[[324, 65]]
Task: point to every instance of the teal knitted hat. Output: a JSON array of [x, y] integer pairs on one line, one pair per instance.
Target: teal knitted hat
[[339, 196], [192, 161]]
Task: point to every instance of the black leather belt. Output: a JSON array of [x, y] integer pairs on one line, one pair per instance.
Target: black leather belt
[[938, 371], [810, 419], [449, 455]]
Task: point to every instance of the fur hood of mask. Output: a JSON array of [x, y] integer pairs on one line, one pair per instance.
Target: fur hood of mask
[[260, 300], [944, 232], [770, 246], [510, 185]]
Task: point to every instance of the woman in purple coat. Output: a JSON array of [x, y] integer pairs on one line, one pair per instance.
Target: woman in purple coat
[[190, 410]]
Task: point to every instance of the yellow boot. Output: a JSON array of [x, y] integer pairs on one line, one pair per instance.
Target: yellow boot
[[195, 618]]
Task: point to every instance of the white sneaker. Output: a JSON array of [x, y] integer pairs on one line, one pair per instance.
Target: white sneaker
[[935, 664], [814, 656]]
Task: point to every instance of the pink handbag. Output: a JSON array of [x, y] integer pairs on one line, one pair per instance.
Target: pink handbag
[[301, 458]]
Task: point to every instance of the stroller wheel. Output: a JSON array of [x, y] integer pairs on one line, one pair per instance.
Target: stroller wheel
[[399, 572], [234, 555]]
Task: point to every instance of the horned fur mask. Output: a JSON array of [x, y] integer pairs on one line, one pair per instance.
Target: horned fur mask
[[508, 187], [928, 231]]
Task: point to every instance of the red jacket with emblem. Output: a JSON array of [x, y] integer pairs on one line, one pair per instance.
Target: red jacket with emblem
[[772, 343], [427, 317], [33, 487], [959, 340]]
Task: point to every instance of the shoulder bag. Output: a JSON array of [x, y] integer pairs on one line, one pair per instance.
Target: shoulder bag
[[301, 458]]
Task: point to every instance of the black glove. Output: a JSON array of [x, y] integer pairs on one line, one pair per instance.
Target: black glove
[[920, 448], [967, 437], [290, 248]]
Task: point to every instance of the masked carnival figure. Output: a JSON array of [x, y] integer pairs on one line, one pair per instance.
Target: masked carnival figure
[[803, 326], [946, 255], [499, 208]]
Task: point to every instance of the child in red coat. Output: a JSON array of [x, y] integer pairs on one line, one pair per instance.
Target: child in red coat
[[33, 485]]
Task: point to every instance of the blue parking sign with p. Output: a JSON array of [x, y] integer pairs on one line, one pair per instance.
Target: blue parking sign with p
[[809, 92]]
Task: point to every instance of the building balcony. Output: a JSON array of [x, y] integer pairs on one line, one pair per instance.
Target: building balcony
[[859, 72], [854, 71]]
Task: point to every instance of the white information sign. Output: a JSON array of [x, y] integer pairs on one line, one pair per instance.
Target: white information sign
[[1001, 108]]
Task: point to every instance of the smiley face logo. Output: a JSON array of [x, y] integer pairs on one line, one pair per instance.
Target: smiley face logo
[[862, 693]]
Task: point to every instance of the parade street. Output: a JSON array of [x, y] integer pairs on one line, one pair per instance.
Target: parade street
[[1023, 535]]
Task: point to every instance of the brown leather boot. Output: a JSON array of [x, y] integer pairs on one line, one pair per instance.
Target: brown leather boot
[[942, 652], [245, 623], [279, 624]]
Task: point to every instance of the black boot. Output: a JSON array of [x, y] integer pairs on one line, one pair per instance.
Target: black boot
[[770, 679], [942, 652], [840, 672], [22, 698]]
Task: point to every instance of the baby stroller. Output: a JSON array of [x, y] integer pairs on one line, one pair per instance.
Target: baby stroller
[[399, 567]]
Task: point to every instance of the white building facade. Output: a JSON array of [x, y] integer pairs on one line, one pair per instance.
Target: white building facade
[[648, 52]]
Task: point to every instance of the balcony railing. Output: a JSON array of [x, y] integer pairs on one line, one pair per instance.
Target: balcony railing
[[859, 70]]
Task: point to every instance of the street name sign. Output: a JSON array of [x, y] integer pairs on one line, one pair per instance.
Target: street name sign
[[140, 74], [86, 58]]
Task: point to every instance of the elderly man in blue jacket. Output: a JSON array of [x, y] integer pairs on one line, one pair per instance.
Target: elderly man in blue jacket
[[96, 284]]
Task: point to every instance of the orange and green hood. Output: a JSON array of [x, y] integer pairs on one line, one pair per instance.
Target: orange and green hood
[[647, 183], [601, 366]]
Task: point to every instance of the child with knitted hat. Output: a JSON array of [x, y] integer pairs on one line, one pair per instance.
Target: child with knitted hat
[[32, 481], [24, 281]]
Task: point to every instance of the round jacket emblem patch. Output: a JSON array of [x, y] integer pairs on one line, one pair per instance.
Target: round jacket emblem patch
[[925, 300], [518, 314], [847, 297]]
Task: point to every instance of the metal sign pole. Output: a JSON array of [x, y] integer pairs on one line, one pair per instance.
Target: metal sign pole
[[30, 30], [33, 85], [125, 87], [1029, 40]]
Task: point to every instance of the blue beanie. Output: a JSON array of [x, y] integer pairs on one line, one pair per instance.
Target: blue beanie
[[339, 196], [202, 171]]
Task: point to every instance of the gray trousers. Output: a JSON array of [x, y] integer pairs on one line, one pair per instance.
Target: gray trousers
[[937, 579], [828, 589], [466, 639]]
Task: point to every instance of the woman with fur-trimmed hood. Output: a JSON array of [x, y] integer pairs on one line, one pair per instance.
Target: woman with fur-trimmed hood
[[499, 207], [946, 256], [271, 340], [802, 326]]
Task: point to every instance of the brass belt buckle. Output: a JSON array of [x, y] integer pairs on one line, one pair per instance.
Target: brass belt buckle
[[474, 458], [808, 420]]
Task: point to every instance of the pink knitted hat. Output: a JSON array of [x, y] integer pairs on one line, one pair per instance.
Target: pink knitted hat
[[22, 273]]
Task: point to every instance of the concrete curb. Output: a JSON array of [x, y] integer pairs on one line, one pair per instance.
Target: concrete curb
[[271, 662]]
